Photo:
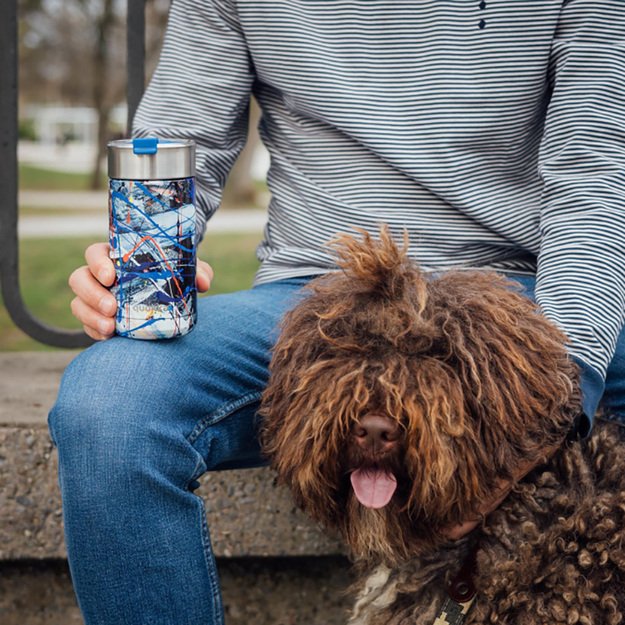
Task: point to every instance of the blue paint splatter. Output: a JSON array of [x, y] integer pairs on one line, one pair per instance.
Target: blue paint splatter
[[152, 239]]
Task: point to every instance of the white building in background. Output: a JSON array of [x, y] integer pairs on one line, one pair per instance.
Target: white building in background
[[66, 136], [58, 124], [66, 139]]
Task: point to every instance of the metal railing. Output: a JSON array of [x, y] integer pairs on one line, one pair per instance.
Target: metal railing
[[9, 261]]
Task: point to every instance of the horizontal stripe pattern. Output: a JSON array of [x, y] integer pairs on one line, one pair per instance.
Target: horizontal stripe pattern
[[493, 131]]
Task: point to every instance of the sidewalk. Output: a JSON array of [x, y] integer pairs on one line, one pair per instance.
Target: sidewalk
[[70, 200], [94, 221], [244, 220]]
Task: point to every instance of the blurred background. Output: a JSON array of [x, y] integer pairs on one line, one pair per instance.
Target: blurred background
[[72, 88]]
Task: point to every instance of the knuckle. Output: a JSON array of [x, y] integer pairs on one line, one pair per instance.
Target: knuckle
[[72, 278], [96, 255], [104, 263], [94, 334], [91, 333]]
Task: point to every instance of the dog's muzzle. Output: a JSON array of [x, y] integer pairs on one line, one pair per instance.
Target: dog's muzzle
[[375, 436]]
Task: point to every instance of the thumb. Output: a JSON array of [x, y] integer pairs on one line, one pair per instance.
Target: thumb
[[204, 276]]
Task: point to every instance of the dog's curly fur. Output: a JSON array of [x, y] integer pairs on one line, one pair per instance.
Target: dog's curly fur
[[480, 383], [553, 552]]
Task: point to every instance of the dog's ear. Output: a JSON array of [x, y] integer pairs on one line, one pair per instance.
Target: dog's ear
[[519, 382]]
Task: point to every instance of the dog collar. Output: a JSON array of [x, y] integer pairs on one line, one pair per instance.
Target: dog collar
[[453, 612], [460, 595]]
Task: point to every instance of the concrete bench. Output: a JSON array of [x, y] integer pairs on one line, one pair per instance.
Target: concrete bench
[[276, 566]]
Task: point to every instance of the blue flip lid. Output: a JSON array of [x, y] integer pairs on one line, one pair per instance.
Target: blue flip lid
[[145, 145]]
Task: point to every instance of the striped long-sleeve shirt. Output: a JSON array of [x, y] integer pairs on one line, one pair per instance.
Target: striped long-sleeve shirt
[[493, 130]]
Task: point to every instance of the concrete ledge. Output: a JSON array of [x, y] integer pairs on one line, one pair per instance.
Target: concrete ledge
[[262, 591], [248, 515]]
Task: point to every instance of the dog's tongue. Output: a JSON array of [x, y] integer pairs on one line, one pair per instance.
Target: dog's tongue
[[373, 487]]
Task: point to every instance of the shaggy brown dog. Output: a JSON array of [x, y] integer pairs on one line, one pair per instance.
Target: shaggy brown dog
[[397, 407]]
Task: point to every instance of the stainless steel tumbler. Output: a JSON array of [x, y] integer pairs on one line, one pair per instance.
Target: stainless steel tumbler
[[152, 236]]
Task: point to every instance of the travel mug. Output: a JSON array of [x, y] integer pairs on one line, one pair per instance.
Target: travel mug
[[152, 236]]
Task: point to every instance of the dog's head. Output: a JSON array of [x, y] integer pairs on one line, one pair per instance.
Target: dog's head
[[397, 403]]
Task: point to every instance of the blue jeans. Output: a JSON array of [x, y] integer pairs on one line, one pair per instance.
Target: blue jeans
[[136, 423]]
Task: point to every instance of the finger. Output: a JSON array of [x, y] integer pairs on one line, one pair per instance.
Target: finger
[[91, 292], [204, 276], [99, 263], [90, 318], [96, 336], [207, 267]]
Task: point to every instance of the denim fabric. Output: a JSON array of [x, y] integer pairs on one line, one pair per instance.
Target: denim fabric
[[612, 403], [136, 423]]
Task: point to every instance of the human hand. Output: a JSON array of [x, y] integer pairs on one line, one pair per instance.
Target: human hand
[[94, 305]]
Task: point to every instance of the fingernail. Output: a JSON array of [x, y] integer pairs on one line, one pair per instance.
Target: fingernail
[[104, 326], [108, 305]]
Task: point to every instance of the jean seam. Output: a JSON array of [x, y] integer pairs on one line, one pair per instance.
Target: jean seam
[[221, 413], [200, 469], [50, 430], [211, 567]]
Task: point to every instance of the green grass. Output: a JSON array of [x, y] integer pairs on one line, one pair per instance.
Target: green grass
[[56, 211], [45, 265], [33, 178], [36, 179]]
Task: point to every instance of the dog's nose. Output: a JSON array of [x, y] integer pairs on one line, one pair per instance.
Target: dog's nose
[[376, 433]]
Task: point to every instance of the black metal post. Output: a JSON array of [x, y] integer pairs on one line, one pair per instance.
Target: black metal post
[[9, 262], [9, 276], [135, 41]]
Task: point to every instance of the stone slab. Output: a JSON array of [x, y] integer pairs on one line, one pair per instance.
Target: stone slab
[[247, 513], [28, 384], [263, 591]]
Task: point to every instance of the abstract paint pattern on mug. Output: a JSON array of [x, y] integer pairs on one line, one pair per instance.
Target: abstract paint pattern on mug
[[152, 239]]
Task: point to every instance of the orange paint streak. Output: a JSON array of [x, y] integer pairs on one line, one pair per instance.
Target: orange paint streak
[[126, 256]]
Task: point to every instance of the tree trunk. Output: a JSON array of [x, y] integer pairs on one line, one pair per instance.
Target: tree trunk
[[101, 103]]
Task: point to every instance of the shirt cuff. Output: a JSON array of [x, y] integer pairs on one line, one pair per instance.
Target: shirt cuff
[[592, 386]]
